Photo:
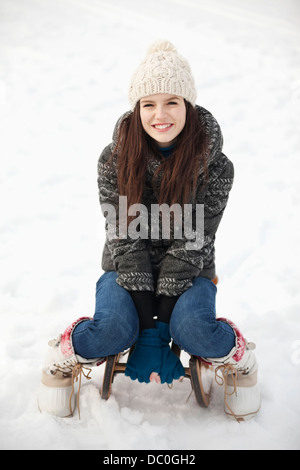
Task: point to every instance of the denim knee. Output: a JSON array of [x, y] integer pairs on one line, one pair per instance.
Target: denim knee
[[115, 325], [115, 334], [115, 312], [201, 337], [104, 336], [193, 332], [193, 325]]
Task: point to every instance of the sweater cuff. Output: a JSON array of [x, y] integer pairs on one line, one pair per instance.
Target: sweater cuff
[[172, 287], [140, 281]]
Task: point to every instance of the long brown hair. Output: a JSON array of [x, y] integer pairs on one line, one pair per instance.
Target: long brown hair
[[176, 177]]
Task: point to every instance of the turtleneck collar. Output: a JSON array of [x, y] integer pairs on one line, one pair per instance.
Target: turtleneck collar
[[166, 151]]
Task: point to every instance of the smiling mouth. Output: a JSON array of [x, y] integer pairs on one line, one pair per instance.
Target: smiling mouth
[[162, 127]]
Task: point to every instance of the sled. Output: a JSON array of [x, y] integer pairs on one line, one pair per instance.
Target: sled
[[195, 372], [115, 365]]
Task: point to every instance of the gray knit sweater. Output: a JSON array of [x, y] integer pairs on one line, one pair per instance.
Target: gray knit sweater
[[163, 266]]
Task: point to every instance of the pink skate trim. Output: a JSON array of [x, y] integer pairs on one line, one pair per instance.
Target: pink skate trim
[[240, 340], [66, 338], [100, 362]]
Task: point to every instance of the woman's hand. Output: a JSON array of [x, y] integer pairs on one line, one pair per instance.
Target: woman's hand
[[171, 368], [152, 359], [146, 357]]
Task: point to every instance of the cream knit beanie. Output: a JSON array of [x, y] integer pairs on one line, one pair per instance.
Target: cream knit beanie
[[162, 71]]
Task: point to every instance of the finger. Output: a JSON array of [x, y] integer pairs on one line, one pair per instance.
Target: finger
[[154, 377]]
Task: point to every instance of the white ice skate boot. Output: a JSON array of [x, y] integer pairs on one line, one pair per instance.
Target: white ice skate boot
[[62, 368], [239, 376]]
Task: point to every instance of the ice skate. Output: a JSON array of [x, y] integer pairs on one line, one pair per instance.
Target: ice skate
[[61, 370], [238, 373]]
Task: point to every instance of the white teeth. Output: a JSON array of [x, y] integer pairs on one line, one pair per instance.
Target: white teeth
[[162, 126]]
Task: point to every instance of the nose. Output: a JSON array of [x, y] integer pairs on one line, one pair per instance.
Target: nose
[[160, 112]]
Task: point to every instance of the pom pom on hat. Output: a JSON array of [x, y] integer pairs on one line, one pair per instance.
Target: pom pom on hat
[[161, 45], [162, 71]]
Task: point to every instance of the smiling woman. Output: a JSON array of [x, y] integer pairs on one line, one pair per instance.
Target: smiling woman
[[154, 287], [156, 123], [163, 117]]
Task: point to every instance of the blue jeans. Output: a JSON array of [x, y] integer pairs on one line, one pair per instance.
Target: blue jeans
[[115, 326]]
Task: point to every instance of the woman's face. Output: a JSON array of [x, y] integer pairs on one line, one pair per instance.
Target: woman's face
[[163, 117]]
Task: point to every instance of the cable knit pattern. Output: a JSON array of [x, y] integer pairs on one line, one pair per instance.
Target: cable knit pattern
[[166, 266], [136, 281], [163, 70]]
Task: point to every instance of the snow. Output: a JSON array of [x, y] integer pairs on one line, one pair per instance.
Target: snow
[[65, 66]]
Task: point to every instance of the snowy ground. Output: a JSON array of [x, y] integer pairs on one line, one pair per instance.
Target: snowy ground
[[64, 72]]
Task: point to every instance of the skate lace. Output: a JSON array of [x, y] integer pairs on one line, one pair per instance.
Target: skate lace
[[77, 371], [227, 369]]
